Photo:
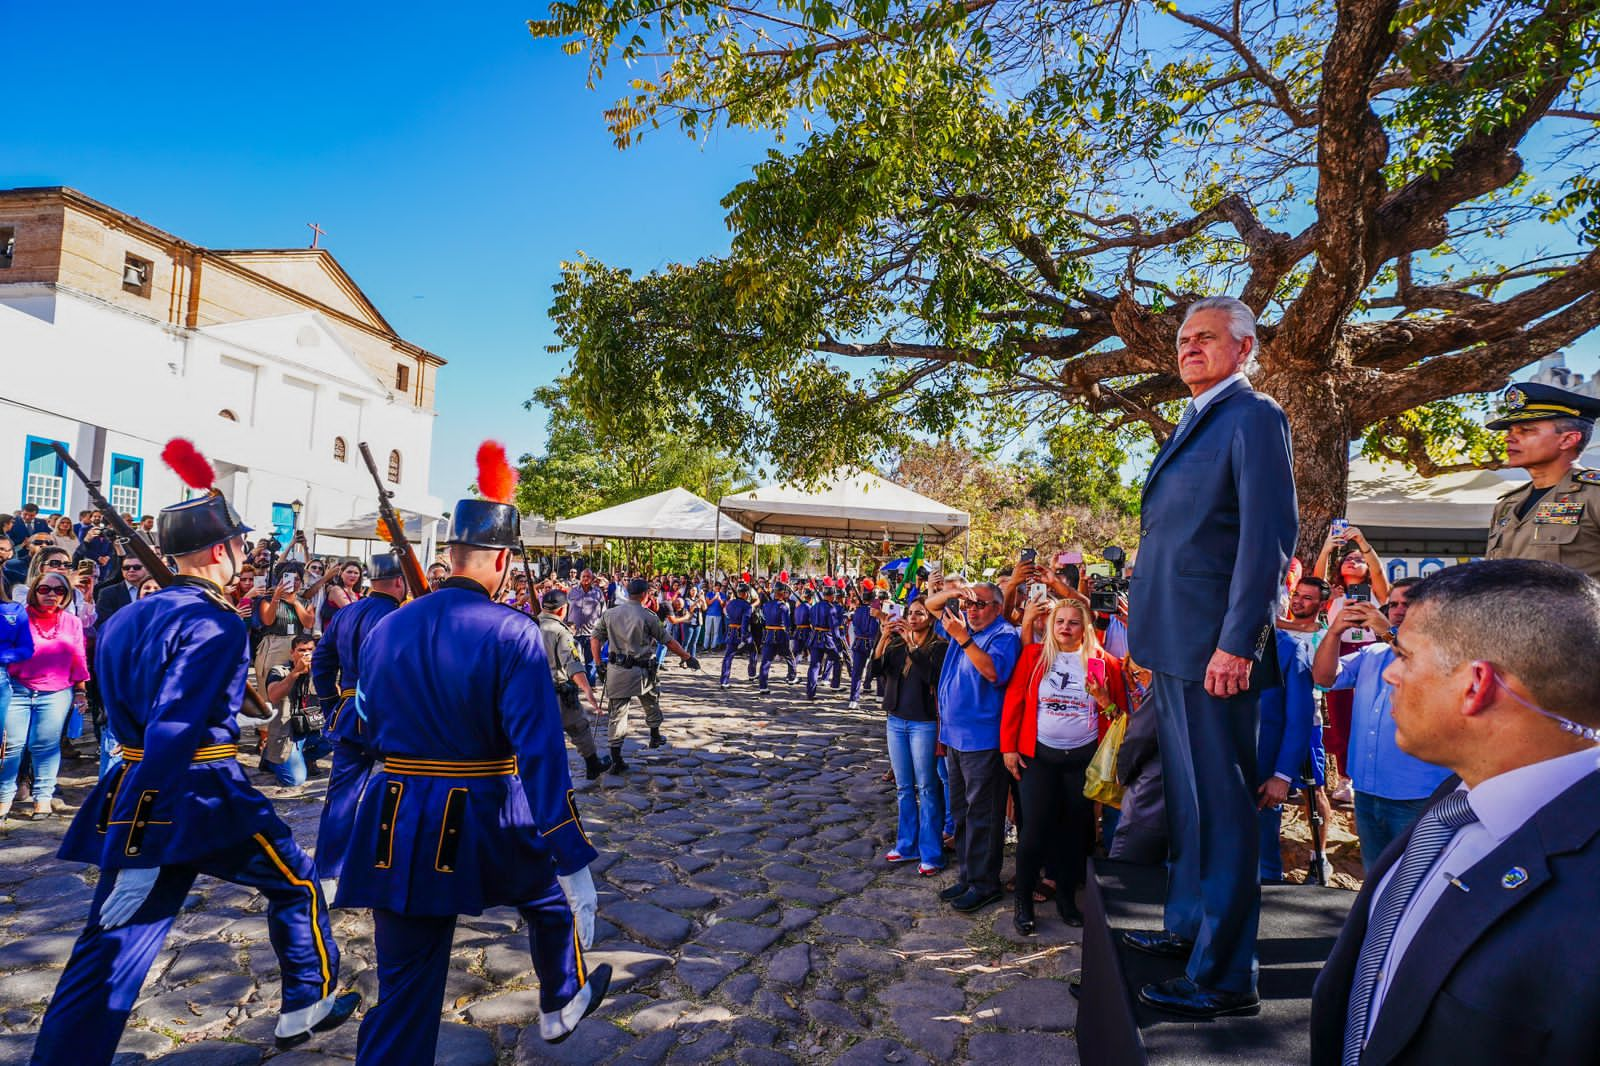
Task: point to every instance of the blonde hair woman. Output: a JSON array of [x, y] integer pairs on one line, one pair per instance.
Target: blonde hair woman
[[1063, 693]]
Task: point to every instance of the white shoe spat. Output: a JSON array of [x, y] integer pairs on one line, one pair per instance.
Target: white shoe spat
[[559, 1023]]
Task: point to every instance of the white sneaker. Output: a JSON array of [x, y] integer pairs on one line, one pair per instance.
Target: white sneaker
[[855, 705]]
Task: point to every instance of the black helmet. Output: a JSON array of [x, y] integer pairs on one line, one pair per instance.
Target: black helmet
[[744, 588], [197, 524], [384, 566], [780, 586], [485, 524], [553, 600]]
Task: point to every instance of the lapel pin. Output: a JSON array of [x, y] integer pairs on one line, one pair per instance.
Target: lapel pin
[[1514, 878]]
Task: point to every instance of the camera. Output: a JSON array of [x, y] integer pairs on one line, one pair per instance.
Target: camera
[[1103, 591]]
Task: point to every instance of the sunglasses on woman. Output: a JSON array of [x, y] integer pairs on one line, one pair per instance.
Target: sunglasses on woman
[[54, 590]]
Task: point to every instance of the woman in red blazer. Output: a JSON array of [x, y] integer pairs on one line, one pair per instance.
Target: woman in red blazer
[[1062, 697]]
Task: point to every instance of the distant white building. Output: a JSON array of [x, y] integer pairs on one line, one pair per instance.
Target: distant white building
[[116, 336]]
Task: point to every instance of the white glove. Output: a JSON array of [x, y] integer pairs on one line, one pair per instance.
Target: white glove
[[128, 892], [579, 890]]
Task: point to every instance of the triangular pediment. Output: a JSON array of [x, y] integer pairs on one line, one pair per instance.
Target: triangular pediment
[[314, 272], [305, 339]]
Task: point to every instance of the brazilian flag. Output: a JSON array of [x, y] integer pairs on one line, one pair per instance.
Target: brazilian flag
[[908, 576]]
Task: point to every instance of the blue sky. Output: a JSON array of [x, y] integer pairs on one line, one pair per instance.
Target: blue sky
[[453, 161]]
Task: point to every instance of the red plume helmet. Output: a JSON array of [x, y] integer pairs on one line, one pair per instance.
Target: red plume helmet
[[187, 462], [496, 479]]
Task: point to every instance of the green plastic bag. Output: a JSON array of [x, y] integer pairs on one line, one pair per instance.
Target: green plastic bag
[[1100, 781]]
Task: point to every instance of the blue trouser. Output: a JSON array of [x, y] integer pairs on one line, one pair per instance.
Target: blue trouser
[[692, 643], [101, 982], [586, 653], [713, 633], [918, 792], [1208, 761], [352, 765], [1379, 822], [402, 1028], [860, 655], [823, 654], [33, 723], [1270, 823], [771, 649], [949, 807], [110, 751], [735, 639], [296, 766]]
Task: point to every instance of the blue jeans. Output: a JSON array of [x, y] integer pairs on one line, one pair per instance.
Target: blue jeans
[[295, 767], [949, 808], [713, 630], [917, 787], [110, 756], [33, 722], [692, 644], [1379, 822]]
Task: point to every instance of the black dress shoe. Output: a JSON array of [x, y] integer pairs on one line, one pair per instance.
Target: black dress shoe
[[973, 900], [955, 891], [656, 739], [1162, 944], [599, 981], [343, 1007], [595, 765], [1069, 912], [1022, 915], [1182, 996]]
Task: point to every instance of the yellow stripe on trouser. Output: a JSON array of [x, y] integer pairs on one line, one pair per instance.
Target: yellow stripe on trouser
[[316, 929], [577, 952]]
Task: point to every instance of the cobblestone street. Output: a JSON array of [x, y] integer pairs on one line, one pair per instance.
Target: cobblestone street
[[744, 903]]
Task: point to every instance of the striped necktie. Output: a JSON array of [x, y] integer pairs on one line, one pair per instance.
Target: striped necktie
[[1189, 411], [1434, 830]]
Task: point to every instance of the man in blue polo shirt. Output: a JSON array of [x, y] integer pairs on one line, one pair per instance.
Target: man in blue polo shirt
[[984, 651], [1391, 788]]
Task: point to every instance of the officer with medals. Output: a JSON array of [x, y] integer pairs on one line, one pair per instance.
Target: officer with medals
[[863, 638], [1556, 516], [568, 672], [633, 632], [776, 623], [335, 673], [825, 620], [172, 671], [470, 805], [739, 638]]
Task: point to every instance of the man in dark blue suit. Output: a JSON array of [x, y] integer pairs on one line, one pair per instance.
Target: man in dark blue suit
[[1474, 939], [1219, 524], [1284, 742]]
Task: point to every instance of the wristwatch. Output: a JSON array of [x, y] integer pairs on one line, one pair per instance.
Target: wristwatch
[[964, 644]]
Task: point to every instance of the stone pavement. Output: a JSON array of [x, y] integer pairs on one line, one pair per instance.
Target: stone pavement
[[744, 904]]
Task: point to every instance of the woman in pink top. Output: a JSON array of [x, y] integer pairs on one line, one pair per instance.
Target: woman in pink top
[[44, 688]]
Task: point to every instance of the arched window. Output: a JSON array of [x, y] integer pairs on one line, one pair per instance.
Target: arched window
[[338, 449], [229, 415], [394, 468]]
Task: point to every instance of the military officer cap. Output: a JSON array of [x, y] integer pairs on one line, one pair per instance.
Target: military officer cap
[[485, 524], [197, 524], [384, 566], [553, 600], [1533, 402]]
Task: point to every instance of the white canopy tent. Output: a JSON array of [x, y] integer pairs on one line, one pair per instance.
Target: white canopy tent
[[848, 505], [676, 514], [421, 530], [1389, 496]]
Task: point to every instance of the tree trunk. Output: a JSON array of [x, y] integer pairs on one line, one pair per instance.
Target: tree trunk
[[1320, 427]]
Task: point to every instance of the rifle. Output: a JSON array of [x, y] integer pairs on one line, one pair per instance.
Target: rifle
[[416, 579], [154, 564]]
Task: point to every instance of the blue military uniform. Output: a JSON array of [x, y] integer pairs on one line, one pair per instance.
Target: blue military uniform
[[825, 643], [471, 806], [865, 630], [739, 639], [171, 669], [776, 620], [801, 616], [335, 673]]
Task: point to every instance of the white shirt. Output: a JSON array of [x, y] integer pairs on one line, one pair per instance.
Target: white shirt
[[1201, 401], [1503, 805], [1068, 716]]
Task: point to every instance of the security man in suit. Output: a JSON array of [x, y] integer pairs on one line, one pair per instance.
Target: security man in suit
[[470, 805], [863, 638], [571, 679], [1220, 524], [1556, 515], [739, 640], [634, 632], [825, 643], [777, 620], [1473, 941], [172, 676], [1287, 712], [335, 674]]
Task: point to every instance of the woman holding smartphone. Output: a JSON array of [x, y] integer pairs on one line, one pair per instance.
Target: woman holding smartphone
[[909, 656], [1062, 696]]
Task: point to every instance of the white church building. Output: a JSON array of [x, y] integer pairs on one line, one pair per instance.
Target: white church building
[[116, 336]]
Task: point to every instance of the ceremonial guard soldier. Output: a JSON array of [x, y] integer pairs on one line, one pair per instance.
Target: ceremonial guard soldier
[[172, 672], [633, 632], [1556, 516], [800, 640], [470, 805], [739, 637], [776, 621], [335, 673], [567, 671], [863, 638], [825, 643]]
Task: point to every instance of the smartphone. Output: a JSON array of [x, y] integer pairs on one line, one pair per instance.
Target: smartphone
[[1038, 592], [1072, 558], [893, 610], [1029, 554], [1095, 670], [1338, 528], [260, 583], [1361, 593]]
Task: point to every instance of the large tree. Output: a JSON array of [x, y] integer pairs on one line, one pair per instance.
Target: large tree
[[994, 212]]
